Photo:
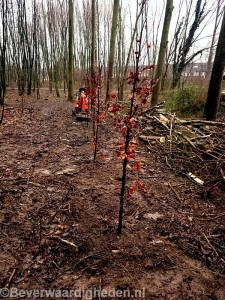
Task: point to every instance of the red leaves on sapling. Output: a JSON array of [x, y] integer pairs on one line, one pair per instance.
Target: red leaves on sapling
[[139, 185], [129, 122], [113, 108], [150, 67], [113, 95], [129, 153], [133, 77], [131, 190], [136, 166]]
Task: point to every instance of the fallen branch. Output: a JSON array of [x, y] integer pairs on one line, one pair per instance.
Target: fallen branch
[[162, 123], [160, 105], [199, 122], [171, 128], [186, 138]]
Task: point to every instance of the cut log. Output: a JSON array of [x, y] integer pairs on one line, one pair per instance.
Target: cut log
[[149, 138]]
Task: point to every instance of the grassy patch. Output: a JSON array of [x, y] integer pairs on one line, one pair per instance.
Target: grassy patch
[[187, 100]]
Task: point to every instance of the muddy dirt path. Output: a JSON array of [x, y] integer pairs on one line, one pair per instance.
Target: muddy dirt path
[[59, 209]]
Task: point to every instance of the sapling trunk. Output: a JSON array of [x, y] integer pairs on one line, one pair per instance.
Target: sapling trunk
[[96, 109], [123, 187], [96, 124], [127, 139], [125, 161]]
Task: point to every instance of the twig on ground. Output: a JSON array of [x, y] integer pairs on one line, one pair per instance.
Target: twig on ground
[[210, 244], [166, 158], [211, 219], [56, 265], [68, 243], [62, 202], [86, 257], [222, 173], [11, 278], [175, 193]]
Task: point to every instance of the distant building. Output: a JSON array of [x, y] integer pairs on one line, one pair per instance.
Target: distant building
[[195, 70]]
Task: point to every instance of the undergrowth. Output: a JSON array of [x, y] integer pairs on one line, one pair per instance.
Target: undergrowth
[[187, 100]]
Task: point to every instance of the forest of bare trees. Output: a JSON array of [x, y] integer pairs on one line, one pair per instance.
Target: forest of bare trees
[[112, 169], [55, 43]]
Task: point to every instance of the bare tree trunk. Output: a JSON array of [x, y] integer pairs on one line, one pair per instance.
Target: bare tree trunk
[[70, 67], [4, 12], [213, 97], [112, 49], [93, 44], [209, 62], [162, 51]]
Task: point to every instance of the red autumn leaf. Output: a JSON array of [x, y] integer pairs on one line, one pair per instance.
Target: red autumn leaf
[[130, 148], [131, 190], [114, 108], [133, 143], [118, 153], [130, 157], [113, 95], [133, 75], [136, 166], [101, 117], [129, 122], [139, 185], [99, 157], [122, 147], [124, 131], [121, 154]]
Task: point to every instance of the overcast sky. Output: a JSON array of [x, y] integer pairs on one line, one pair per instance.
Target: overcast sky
[[156, 8]]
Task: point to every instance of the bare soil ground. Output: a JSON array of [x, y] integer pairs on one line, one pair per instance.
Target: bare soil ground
[[59, 211]]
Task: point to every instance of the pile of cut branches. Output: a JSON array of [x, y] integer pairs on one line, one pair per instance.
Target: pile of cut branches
[[195, 148]]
